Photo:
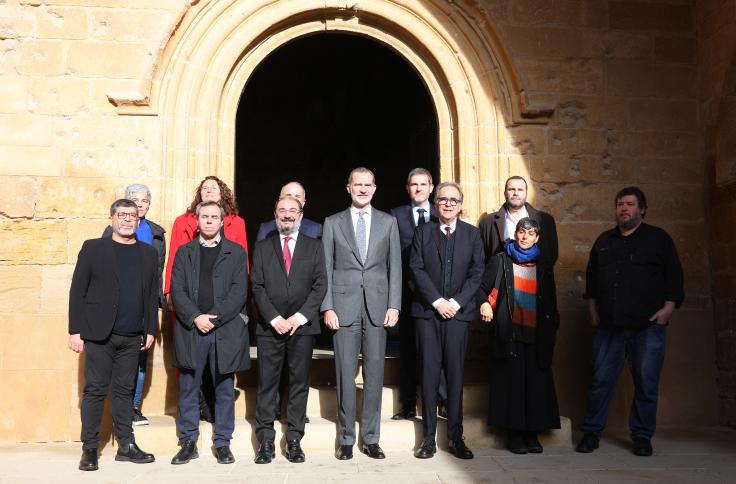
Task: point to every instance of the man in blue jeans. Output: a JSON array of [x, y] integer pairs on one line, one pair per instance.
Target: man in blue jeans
[[634, 282]]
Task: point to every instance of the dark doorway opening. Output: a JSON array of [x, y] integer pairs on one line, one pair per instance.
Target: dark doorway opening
[[317, 108]]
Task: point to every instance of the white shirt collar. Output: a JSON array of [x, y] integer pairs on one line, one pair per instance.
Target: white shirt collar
[[354, 211], [214, 243], [293, 236], [452, 226]]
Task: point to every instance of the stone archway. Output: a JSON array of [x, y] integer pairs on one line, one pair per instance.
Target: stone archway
[[195, 85]]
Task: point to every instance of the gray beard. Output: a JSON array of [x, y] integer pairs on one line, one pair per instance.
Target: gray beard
[[288, 231]]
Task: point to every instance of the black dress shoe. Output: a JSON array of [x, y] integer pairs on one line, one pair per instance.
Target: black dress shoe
[[427, 450], [588, 443], [533, 445], [405, 413], [516, 443], [187, 452], [294, 452], [224, 456], [373, 451], [306, 419], [131, 453], [459, 449], [266, 453], [345, 452], [88, 462], [642, 447]]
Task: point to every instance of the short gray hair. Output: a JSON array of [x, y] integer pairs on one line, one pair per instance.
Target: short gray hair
[[445, 185], [137, 188], [419, 171], [361, 169], [209, 203]]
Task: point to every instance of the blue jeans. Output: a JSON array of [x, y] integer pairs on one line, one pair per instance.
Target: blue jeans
[[140, 379], [644, 349]]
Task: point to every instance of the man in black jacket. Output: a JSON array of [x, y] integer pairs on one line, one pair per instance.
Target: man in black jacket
[[633, 284], [500, 226], [112, 315], [209, 288], [289, 282], [152, 234]]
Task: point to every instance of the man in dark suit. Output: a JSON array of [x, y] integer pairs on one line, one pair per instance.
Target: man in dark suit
[[289, 283], [307, 227], [363, 258], [447, 267], [409, 217], [498, 227], [209, 288], [112, 315]]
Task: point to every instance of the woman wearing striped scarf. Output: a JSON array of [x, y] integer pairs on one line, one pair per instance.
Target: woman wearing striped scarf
[[518, 301]]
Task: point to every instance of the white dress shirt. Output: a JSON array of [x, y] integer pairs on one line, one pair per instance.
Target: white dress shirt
[[415, 213], [453, 226], [292, 246], [367, 218], [511, 223]]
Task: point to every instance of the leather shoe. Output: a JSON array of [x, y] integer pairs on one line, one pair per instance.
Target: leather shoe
[[642, 447], [516, 443], [427, 450], [459, 449], [294, 452], [373, 451], [588, 443], [224, 456], [88, 462], [533, 445], [345, 452], [406, 413], [131, 453], [187, 452], [266, 453]]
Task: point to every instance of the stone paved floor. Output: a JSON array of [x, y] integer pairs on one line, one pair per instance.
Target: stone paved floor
[[701, 456]]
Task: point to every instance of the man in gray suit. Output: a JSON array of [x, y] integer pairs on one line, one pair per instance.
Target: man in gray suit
[[363, 258]]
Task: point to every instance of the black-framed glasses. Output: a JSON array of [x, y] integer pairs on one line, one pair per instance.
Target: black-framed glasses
[[128, 215], [452, 202], [291, 211]]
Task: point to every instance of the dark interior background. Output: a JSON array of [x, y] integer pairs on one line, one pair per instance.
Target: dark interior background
[[321, 106]]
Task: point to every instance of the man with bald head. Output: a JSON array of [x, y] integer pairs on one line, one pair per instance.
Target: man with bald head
[[293, 189]]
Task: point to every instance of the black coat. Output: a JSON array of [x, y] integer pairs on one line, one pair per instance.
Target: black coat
[[302, 291], [93, 296], [548, 319], [426, 266], [158, 243], [230, 282], [493, 227]]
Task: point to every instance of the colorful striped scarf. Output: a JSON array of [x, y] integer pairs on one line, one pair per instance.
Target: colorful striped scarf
[[524, 319]]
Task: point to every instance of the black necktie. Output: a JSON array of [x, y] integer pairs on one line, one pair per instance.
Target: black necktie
[[421, 220]]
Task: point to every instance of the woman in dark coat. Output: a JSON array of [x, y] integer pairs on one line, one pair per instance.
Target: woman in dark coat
[[518, 299]]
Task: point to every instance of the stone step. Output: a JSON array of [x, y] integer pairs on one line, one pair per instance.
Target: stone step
[[159, 437]]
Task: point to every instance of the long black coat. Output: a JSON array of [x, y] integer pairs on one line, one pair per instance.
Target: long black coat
[[302, 291], [548, 319], [230, 282]]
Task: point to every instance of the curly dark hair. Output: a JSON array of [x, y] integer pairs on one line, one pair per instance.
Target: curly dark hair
[[227, 197]]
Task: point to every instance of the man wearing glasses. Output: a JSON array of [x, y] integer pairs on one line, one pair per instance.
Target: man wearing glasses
[[446, 263], [152, 234], [113, 303]]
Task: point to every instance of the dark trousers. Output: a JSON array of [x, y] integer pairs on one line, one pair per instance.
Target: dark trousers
[[187, 422], [442, 344], [645, 350], [408, 362], [272, 351], [111, 362]]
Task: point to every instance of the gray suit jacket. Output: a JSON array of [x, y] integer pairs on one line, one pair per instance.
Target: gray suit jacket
[[349, 281]]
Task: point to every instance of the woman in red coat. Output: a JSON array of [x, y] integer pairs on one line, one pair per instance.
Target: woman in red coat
[[185, 225]]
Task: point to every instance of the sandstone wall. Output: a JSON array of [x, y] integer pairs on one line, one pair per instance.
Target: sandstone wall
[[621, 75]]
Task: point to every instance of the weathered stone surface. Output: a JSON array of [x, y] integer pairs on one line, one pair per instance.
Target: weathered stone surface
[[675, 49], [548, 42], [132, 164], [33, 242], [660, 16], [55, 283], [18, 197], [19, 286], [645, 79], [663, 114], [16, 22], [17, 130], [107, 59], [81, 229], [64, 96], [15, 95], [63, 23], [90, 197], [42, 58], [128, 26], [576, 167]]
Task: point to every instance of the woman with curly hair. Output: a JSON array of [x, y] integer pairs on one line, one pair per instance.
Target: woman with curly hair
[[185, 225]]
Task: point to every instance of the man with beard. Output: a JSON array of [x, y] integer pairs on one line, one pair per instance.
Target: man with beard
[[363, 258], [634, 282], [289, 283], [497, 228], [113, 303]]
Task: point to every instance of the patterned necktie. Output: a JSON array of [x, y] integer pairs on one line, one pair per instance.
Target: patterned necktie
[[448, 231], [287, 254], [360, 236], [421, 220]]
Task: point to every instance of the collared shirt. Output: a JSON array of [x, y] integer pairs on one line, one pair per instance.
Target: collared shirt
[[631, 277], [453, 226], [212, 243], [415, 212], [510, 225], [292, 245], [367, 218]]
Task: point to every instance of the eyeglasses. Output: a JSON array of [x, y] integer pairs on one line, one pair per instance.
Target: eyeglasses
[[128, 215], [452, 202], [291, 211]]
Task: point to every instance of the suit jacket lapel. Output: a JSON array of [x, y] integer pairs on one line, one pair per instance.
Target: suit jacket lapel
[[500, 223], [436, 234], [278, 252], [346, 226], [110, 255], [376, 225]]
